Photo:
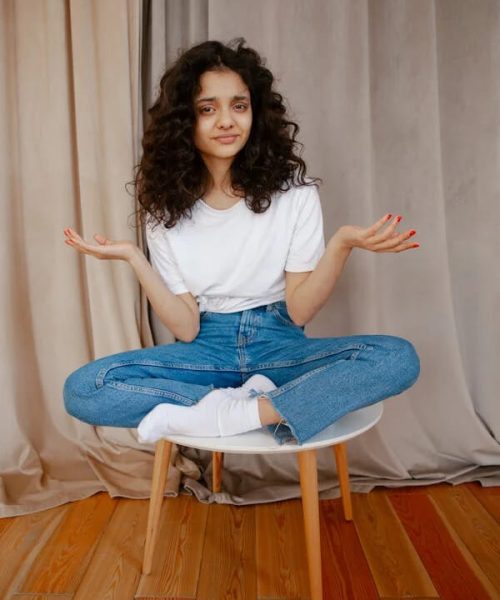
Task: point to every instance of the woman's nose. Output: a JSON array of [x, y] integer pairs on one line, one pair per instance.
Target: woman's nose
[[225, 118]]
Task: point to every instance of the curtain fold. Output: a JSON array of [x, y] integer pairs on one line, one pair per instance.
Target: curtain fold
[[399, 111], [70, 111]]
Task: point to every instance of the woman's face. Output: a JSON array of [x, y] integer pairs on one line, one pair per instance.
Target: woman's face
[[223, 115]]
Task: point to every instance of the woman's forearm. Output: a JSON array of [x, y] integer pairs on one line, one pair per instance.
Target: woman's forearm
[[313, 292], [173, 312]]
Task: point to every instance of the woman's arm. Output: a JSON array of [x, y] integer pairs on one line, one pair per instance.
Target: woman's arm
[[172, 310], [305, 300], [175, 313]]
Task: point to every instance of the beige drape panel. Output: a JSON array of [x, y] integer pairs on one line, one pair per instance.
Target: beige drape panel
[[70, 119], [399, 108]]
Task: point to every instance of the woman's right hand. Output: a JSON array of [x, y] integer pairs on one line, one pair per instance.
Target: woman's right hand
[[106, 249]]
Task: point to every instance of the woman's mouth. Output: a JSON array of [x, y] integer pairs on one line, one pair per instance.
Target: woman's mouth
[[226, 139]]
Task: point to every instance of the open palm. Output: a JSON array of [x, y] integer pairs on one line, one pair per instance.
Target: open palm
[[105, 249], [372, 238]]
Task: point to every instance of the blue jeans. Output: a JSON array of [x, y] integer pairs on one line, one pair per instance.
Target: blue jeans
[[319, 379]]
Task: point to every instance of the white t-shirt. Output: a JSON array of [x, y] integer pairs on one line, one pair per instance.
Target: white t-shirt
[[234, 259]]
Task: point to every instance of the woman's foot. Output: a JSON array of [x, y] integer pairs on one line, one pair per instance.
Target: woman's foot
[[218, 413], [256, 385]]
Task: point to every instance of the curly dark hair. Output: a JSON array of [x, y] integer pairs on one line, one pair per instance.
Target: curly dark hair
[[172, 176]]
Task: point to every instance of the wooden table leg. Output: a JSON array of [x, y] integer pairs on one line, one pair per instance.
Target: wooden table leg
[[160, 471], [343, 477], [217, 461], [310, 506]]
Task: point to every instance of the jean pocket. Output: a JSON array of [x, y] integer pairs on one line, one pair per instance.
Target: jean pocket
[[280, 311]]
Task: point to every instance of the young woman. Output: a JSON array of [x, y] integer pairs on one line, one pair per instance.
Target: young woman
[[238, 267]]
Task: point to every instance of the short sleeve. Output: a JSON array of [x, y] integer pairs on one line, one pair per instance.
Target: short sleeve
[[308, 241], [163, 260]]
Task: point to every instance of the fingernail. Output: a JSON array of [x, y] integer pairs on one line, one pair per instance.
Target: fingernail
[[388, 217], [399, 219], [416, 245], [412, 232]]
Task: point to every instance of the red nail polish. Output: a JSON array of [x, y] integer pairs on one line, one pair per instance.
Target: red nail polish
[[416, 245], [412, 232], [388, 217], [399, 219]]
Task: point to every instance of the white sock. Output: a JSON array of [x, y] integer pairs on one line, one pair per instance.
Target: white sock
[[257, 384], [216, 414]]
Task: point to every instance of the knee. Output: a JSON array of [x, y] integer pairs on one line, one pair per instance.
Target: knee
[[408, 362], [402, 361], [76, 391]]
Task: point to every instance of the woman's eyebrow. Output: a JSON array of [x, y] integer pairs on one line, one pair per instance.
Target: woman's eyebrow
[[238, 97]]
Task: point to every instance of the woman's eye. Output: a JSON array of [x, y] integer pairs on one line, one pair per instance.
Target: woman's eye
[[207, 109]]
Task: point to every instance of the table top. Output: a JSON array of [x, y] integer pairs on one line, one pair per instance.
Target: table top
[[261, 441]]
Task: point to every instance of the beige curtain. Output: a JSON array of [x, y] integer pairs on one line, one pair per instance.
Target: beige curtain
[[399, 108], [71, 120]]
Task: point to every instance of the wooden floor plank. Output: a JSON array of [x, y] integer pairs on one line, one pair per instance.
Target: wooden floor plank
[[476, 529], [450, 573], [395, 565], [41, 597], [178, 552], [346, 574], [280, 551], [163, 597], [228, 567], [406, 489], [115, 570], [5, 522], [20, 543], [61, 564], [489, 497]]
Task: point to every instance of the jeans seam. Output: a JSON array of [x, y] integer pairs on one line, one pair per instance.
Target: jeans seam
[[300, 361], [150, 391], [101, 375]]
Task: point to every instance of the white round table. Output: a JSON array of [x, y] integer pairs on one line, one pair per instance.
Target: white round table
[[261, 441]]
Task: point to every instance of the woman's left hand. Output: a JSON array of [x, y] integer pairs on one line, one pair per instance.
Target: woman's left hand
[[374, 239]]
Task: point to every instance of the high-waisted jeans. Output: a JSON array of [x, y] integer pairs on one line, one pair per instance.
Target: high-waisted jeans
[[319, 379]]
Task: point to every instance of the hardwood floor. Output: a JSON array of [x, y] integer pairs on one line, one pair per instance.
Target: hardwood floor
[[432, 542]]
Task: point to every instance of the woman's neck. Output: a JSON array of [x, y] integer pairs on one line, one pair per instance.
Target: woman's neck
[[219, 173], [219, 191], [221, 200]]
